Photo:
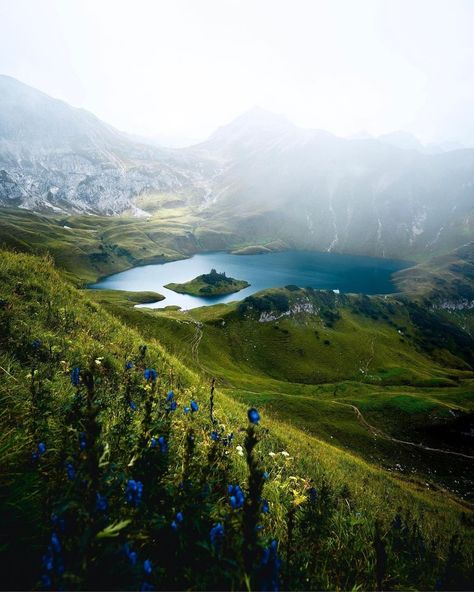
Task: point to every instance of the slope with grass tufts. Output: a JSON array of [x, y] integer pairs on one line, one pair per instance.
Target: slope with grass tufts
[[116, 475]]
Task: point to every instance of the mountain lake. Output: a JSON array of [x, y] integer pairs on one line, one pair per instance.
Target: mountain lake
[[329, 271]]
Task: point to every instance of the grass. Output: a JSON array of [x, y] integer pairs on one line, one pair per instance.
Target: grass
[[287, 367], [40, 404], [210, 284]]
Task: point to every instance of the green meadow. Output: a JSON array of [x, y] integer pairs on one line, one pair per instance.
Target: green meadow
[[364, 404]]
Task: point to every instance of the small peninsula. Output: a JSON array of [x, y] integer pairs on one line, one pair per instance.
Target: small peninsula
[[209, 284]]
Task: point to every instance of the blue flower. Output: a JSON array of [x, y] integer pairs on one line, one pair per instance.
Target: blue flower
[[313, 494], [236, 496], [173, 406], [82, 441], [36, 343], [147, 568], [169, 396], [215, 436], [56, 545], [128, 365], [216, 534], [194, 406], [153, 443], [75, 375], [253, 415], [271, 565], [133, 406], [46, 581], [265, 475], [48, 560], [134, 492], [101, 503], [177, 521], [70, 471], [132, 556], [265, 506], [150, 375], [186, 410], [163, 444], [41, 448], [146, 587]]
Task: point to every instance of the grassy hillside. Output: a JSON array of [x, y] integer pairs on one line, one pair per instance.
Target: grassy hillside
[[317, 370], [83, 414], [89, 247]]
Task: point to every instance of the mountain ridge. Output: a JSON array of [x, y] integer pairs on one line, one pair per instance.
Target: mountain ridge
[[258, 178]]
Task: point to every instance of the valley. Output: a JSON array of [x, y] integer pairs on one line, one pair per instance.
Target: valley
[[349, 331]]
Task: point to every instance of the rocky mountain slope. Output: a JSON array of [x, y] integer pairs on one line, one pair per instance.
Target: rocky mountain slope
[[54, 157], [318, 191], [259, 178]]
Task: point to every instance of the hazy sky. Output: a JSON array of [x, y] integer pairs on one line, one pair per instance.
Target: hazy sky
[[182, 67]]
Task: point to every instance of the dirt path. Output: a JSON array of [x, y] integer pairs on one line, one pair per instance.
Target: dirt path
[[377, 432]]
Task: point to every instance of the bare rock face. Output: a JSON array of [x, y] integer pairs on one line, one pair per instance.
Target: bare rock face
[[299, 307], [58, 158]]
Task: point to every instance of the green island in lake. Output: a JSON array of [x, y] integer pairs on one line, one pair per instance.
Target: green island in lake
[[209, 284]]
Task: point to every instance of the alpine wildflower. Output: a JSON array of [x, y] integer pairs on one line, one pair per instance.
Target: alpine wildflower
[[253, 415], [82, 441], [216, 534], [265, 506], [150, 374], [41, 448], [132, 555], [133, 406], [169, 396], [186, 410], [270, 564], [101, 504], [128, 365], [194, 406], [236, 496], [163, 444], [134, 492], [177, 521], [215, 436], [70, 471], [75, 376], [147, 568]]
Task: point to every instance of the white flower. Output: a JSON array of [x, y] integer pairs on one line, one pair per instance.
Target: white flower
[[272, 454], [284, 453], [240, 450]]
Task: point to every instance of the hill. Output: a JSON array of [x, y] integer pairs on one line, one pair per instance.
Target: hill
[[100, 468], [209, 284]]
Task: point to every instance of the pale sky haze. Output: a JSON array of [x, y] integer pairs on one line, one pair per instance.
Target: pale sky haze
[[185, 67]]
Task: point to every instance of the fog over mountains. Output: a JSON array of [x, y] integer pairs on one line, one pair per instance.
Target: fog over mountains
[[259, 177]]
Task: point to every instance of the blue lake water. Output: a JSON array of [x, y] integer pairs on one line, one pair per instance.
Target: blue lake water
[[331, 271]]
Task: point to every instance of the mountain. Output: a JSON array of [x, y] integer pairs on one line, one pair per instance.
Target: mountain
[[54, 157], [256, 180], [317, 191]]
